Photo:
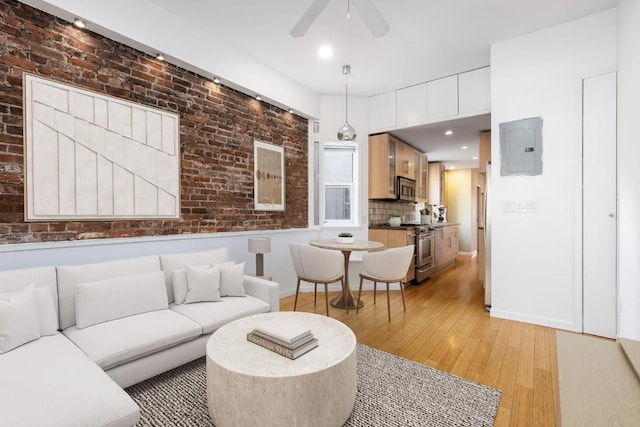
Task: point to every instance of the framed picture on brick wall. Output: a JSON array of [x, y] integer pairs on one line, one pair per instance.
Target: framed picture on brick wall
[[268, 176]]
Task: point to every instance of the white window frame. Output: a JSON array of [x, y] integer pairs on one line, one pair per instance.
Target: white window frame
[[355, 187]]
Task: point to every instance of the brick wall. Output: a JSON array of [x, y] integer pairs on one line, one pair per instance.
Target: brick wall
[[217, 128]]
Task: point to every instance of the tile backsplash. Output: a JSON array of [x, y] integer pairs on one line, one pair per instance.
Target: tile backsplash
[[381, 210]]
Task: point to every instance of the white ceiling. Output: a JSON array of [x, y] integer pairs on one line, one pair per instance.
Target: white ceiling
[[428, 39]]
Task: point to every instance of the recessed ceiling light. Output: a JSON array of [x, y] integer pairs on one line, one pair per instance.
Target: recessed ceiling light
[[449, 132], [216, 80], [452, 167], [258, 97], [159, 56], [79, 23], [464, 147], [475, 157], [325, 51]]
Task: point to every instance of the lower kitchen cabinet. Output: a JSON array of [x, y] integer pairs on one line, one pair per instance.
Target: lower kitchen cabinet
[[446, 246], [396, 239]]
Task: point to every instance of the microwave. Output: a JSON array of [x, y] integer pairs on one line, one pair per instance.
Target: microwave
[[406, 189]]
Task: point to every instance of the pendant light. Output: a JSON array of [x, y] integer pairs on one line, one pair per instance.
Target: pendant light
[[346, 132]]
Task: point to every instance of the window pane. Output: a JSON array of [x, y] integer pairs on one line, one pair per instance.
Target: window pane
[[337, 203], [338, 166]]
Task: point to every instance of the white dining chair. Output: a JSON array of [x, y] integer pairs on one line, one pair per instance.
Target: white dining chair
[[317, 266], [389, 266]]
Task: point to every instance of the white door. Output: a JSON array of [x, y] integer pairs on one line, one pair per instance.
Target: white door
[[599, 206]]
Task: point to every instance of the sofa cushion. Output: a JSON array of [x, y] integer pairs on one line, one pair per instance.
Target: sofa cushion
[[45, 307], [18, 319], [70, 275], [123, 296], [212, 315], [231, 280], [178, 261], [119, 341], [203, 283], [50, 382], [40, 277]]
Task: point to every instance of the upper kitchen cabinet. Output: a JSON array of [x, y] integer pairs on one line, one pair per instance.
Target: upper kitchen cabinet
[[405, 162], [382, 112], [475, 92], [437, 184], [461, 95], [484, 150], [442, 99], [422, 178], [382, 167], [412, 105]]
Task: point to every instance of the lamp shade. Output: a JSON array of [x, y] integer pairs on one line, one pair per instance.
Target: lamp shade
[[259, 245]]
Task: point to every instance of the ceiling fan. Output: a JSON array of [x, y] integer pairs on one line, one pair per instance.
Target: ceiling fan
[[370, 15]]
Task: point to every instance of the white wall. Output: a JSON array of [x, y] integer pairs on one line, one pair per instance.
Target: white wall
[[536, 257], [459, 204], [628, 171], [332, 117], [143, 25]]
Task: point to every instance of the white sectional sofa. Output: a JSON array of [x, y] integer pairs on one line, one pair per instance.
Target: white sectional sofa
[[72, 337]]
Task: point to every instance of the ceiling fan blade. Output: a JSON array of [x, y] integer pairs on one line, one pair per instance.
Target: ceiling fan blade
[[308, 18], [371, 17]]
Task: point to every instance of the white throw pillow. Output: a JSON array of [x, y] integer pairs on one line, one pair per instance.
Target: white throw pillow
[[179, 286], [45, 307], [18, 319], [203, 283], [124, 296], [231, 280]]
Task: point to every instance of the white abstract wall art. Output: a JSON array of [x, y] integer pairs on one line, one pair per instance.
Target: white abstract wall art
[[93, 157], [268, 172]]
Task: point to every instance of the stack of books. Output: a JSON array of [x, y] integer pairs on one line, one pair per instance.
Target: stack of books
[[284, 338]]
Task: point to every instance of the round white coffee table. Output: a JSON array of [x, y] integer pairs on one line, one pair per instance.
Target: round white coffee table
[[250, 385]]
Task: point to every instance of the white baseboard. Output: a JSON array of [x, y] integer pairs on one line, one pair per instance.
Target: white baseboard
[[541, 321], [470, 254]]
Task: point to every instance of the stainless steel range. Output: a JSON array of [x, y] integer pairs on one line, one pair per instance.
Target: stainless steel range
[[425, 250]]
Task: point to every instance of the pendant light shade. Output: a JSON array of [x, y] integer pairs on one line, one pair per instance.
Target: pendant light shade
[[346, 132]]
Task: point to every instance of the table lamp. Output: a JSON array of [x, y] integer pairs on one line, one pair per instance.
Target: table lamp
[[259, 246]]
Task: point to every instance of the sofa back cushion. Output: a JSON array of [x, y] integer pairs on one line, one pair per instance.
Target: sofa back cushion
[[71, 275], [43, 280], [119, 297], [178, 262]]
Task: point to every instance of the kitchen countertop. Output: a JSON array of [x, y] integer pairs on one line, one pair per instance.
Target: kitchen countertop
[[433, 225]]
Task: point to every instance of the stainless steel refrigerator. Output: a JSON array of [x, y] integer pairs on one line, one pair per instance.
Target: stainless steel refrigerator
[[487, 239]]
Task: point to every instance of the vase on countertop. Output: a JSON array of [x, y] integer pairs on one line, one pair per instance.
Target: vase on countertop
[[395, 221]]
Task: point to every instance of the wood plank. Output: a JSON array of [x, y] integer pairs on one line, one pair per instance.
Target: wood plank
[[446, 327], [598, 387]]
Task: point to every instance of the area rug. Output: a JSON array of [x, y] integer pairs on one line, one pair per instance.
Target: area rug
[[391, 392]]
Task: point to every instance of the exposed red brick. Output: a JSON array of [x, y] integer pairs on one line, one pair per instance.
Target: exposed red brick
[[217, 128]]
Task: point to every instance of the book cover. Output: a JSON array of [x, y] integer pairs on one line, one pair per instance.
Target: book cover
[[283, 330], [283, 351], [294, 345]]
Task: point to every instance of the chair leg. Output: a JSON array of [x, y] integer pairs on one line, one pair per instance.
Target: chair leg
[[375, 285], [402, 293], [359, 293], [388, 303], [295, 302], [344, 296], [326, 298], [315, 293]]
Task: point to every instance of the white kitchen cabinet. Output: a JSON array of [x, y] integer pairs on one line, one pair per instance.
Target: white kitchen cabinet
[[382, 111], [474, 92], [442, 98], [412, 105]]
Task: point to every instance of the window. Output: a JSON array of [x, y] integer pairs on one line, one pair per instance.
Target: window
[[340, 183]]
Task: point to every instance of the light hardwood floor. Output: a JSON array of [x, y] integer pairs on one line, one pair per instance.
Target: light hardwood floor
[[446, 327]]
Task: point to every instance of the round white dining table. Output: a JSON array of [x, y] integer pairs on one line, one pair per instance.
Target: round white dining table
[[346, 299]]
